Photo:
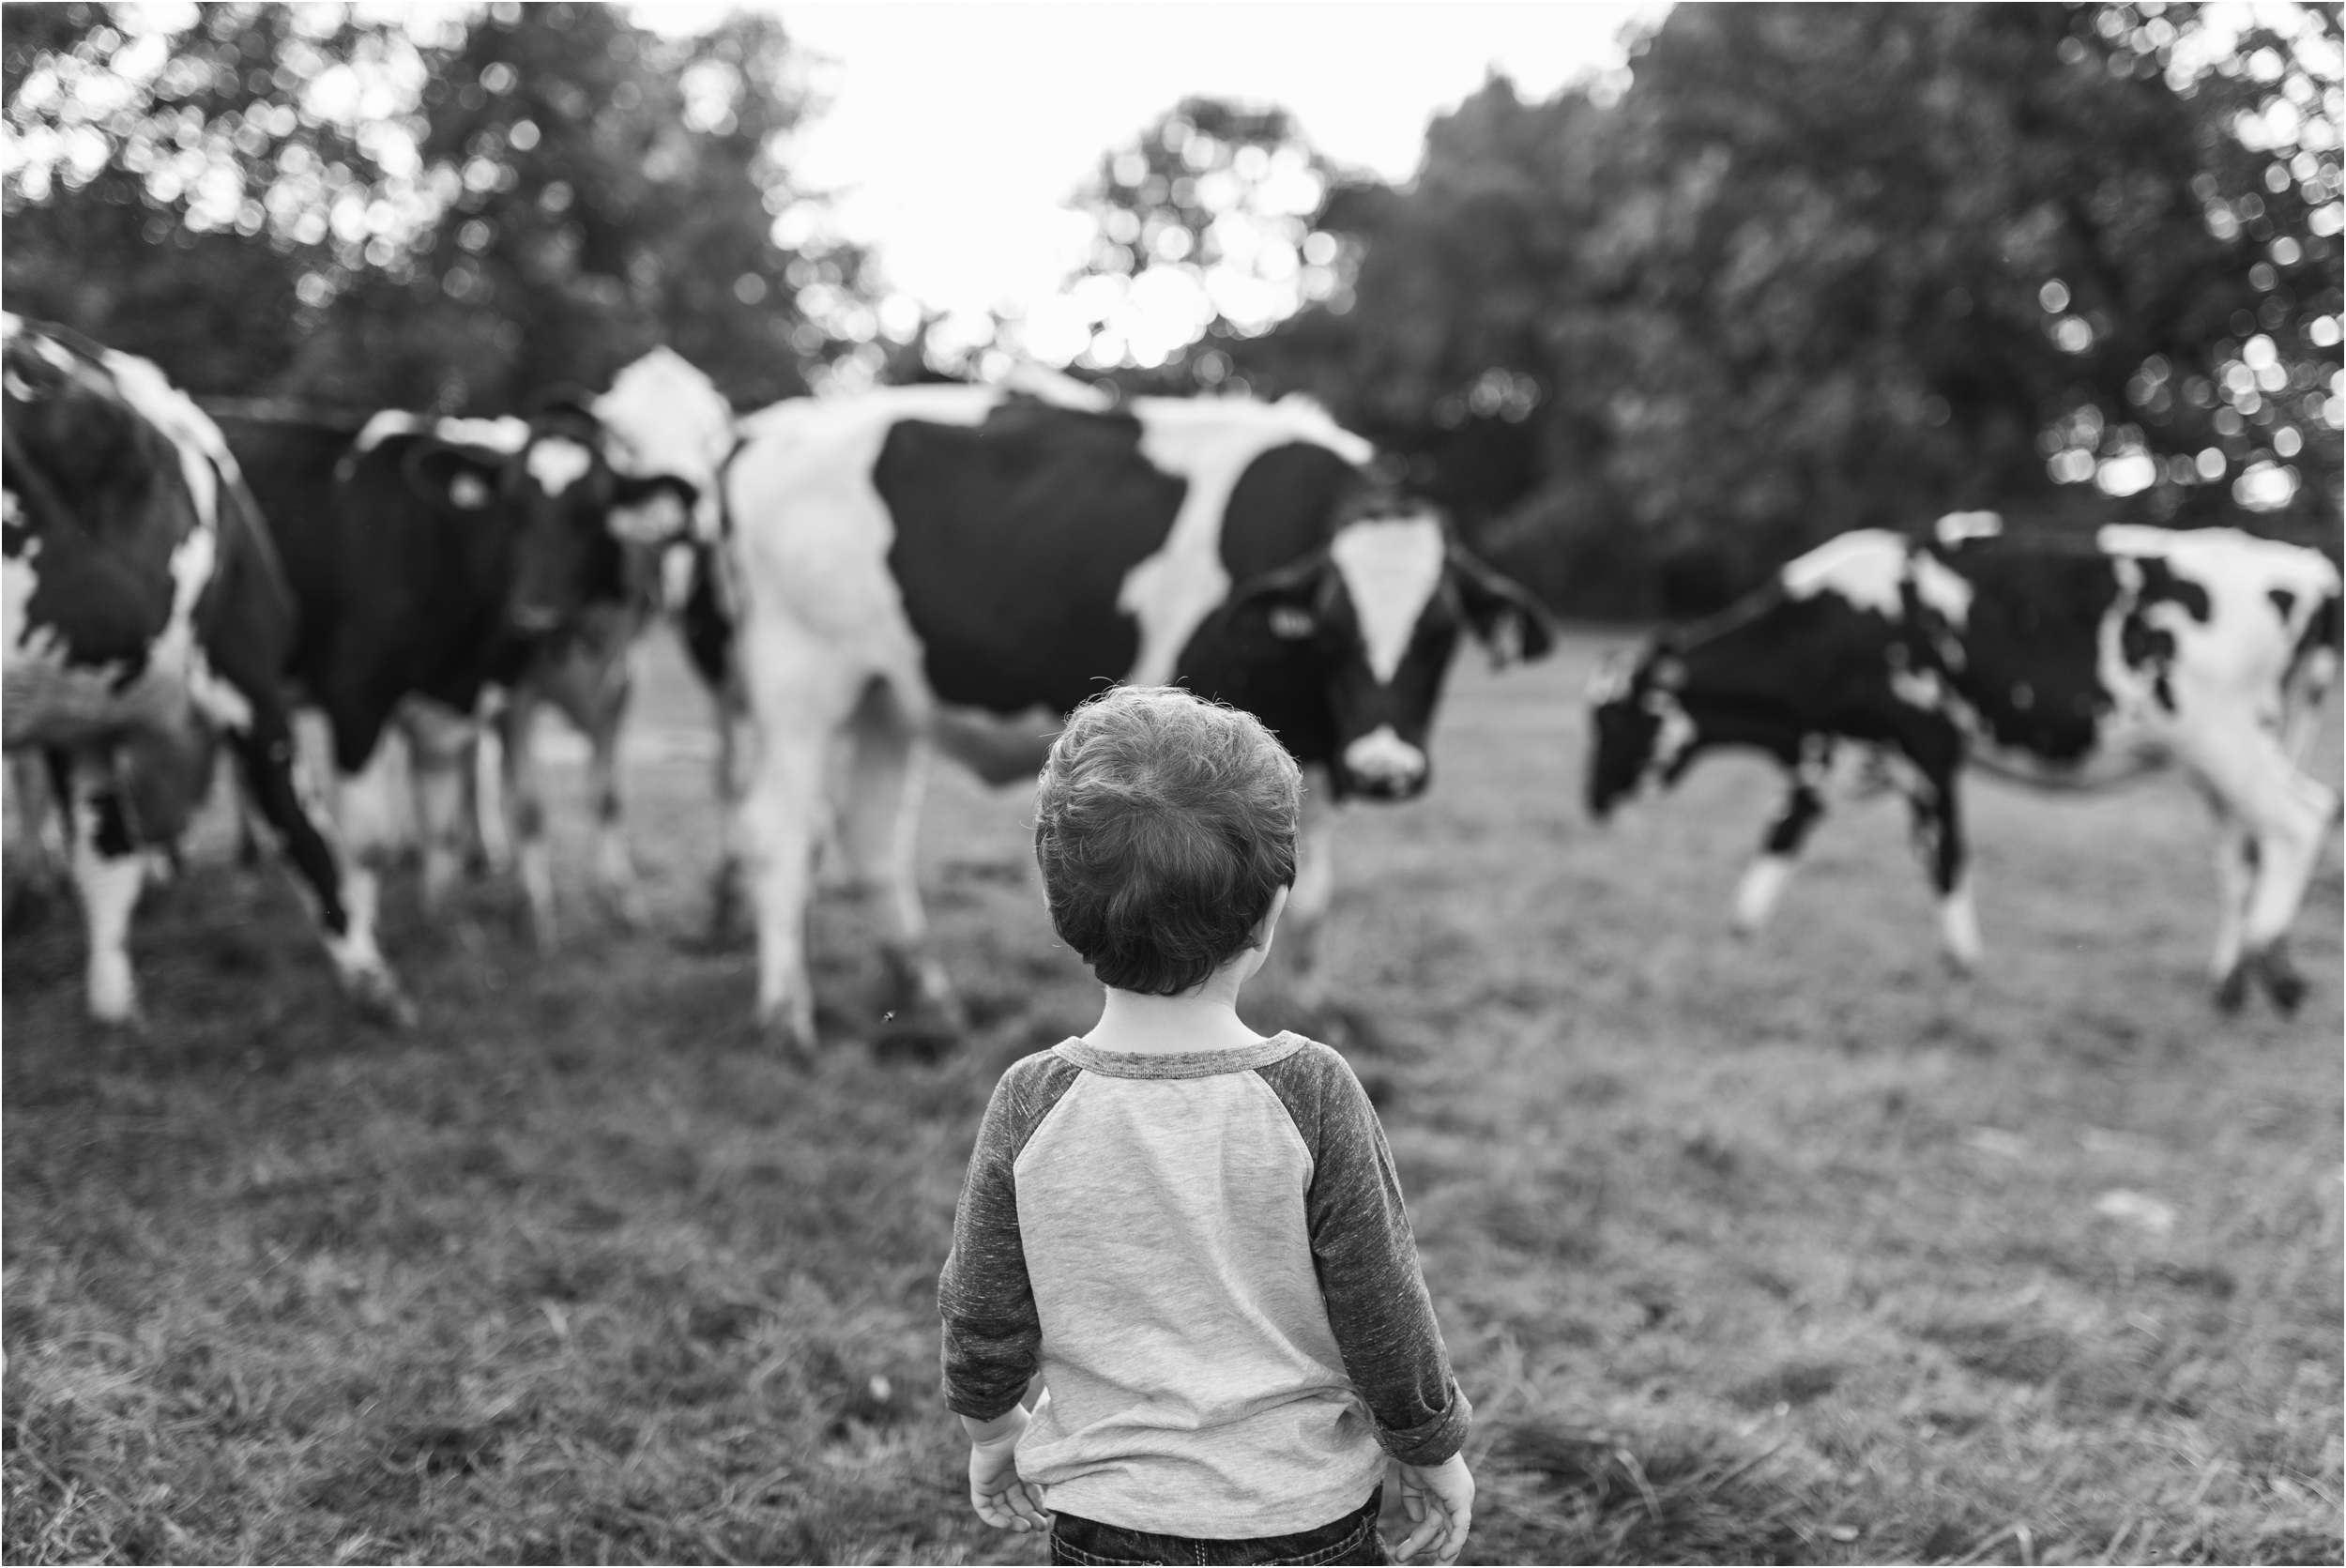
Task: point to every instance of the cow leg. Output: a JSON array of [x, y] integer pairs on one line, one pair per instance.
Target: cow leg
[[879, 821], [39, 855], [487, 853], [2235, 879], [1938, 830], [1314, 888], [620, 889], [109, 868], [2287, 817], [726, 886], [526, 815], [1763, 881], [341, 893], [439, 748], [800, 695], [780, 813]]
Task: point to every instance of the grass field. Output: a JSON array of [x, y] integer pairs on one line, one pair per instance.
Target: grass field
[[1793, 1250]]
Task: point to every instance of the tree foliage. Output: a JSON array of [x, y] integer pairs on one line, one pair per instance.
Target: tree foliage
[[1832, 267], [1205, 233], [303, 200]]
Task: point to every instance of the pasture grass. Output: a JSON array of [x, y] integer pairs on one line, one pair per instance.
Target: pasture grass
[[1794, 1250]]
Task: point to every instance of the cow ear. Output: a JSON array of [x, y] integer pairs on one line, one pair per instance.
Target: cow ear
[[458, 477], [651, 511], [1297, 584], [558, 403], [1510, 623], [1290, 597]]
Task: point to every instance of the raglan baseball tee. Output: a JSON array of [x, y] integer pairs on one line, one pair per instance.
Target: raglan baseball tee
[[1207, 1258]]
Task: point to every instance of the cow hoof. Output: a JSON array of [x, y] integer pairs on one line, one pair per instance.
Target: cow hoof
[[2232, 992], [123, 1026], [379, 1001], [2282, 982], [792, 1043]]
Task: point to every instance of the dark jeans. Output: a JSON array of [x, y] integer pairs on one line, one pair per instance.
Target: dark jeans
[[1349, 1539]]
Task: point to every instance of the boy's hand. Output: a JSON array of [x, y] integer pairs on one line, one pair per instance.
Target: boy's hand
[[1000, 1498], [1440, 1502]]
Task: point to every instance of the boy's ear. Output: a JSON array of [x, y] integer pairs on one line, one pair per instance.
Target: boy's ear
[[1269, 922]]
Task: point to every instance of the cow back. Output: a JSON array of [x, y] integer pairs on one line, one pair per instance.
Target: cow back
[[1013, 540], [2030, 665]]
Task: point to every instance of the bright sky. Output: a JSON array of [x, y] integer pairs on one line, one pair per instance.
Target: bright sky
[[957, 132]]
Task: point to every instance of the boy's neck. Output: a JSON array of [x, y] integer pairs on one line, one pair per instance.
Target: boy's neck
[[1202, 1020]]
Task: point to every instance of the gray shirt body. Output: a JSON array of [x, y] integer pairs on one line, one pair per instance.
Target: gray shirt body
[[1207, 1258]]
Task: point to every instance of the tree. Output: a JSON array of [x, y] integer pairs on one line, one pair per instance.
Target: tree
[[1827, 267], [1204, 236], [457, 218]]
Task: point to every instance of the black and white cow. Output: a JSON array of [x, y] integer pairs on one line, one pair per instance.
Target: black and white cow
[[919, 552], [663, 420], [435, 560], [2061, 661], [147, 616]]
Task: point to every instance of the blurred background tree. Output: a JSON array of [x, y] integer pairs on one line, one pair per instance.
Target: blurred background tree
[[454, 213], [1205, 235], [1823, 267]]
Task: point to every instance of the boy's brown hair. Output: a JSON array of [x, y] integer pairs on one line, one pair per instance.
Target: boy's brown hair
[[1164, 825]]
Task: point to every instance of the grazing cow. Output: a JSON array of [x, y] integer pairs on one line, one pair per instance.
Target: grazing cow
[[146, 615], [907, 552], [433, 561], [2055, 660]]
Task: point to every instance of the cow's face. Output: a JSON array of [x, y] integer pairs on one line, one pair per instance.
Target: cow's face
[[663, 420], [560, 492], [101, 525], [587, 534], [1381, 610], [75, 447], [1638, 732]]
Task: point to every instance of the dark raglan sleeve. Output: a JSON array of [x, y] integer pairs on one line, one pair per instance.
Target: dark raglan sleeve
[[1366, 1256], [993, 1340]]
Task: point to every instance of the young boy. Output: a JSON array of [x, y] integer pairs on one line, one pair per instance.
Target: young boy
[[1194, 1233]]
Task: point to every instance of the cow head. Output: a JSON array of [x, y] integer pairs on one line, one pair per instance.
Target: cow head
[[1378, 611], [1639, 734], [663, 420], [106, 528], [582, 535], [77, 450]]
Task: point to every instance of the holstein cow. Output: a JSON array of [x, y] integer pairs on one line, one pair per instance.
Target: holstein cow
[[146, 615], [2056, 660], [909, 552], [436, 559], [663, 420]]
